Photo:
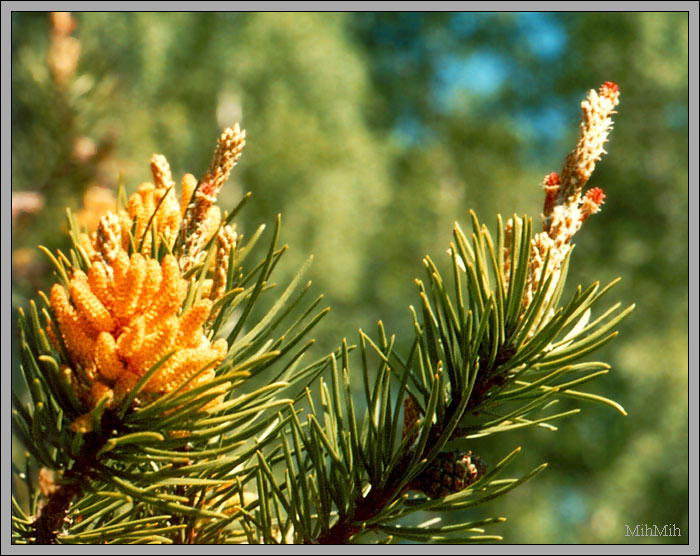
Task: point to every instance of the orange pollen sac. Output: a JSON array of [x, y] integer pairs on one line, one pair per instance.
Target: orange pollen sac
[[595, 195], [552, 179], [105, 353], [88, 304]]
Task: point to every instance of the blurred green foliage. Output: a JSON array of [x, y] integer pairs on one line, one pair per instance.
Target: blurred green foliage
[[371, 133]]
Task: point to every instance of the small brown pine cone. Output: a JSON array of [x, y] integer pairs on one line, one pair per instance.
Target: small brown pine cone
[[450, 472]]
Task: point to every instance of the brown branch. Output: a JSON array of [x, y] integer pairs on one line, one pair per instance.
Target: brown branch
[[53, 514], [377, 500], [344, 529], [51, 517]]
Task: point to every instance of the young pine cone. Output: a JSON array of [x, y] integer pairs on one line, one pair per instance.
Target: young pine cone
[[449, 472]]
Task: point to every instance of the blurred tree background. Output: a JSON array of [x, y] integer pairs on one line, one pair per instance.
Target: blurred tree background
[[371, 133]]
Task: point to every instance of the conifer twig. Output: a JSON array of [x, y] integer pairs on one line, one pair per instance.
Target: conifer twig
[[52, 516]]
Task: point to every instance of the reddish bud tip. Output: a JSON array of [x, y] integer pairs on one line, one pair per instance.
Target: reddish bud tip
[[552, 179], [595, 195], [206, 187], [608, 88]]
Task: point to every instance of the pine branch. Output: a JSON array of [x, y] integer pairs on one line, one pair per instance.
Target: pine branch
[[136, 374], [126, 375], [46, 527]]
